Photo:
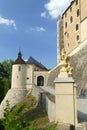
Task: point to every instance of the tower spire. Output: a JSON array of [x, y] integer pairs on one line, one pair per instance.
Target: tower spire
[[19, 54]]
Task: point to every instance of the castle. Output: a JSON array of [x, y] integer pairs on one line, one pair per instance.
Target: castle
[[71, 35], [28, 74], [72, 26], [33, 76]]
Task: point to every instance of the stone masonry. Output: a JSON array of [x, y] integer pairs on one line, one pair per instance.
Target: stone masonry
[[14, 96]]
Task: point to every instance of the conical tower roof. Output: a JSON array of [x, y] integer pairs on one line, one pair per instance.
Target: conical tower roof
[[19, 60]]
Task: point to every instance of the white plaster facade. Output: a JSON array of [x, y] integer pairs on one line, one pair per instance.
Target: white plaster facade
[[26, 75], [18, 76]]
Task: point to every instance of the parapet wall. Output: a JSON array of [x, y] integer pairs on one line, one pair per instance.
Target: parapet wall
[[47, 99]]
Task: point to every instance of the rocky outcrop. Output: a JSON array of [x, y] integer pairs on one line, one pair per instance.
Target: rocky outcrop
[[78, 60], [79, 64], [52, 75], [14, 96]]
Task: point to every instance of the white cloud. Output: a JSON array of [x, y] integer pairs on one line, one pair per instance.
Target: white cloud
[[55, 7], [38, 29], [8, 22], [44, 14]]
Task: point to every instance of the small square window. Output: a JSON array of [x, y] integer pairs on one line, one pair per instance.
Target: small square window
[[19, 68], [27, 78]]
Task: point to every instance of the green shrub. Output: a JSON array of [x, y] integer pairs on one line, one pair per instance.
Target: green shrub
[[11, 120], [26, 116]]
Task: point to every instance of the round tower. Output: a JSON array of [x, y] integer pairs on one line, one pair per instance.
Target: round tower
[[19, 73]]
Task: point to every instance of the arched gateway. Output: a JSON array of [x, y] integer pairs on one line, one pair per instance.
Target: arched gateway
[[40, 81]]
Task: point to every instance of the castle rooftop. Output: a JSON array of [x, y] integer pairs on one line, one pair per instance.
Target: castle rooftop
[[31, 60], [19, 60]]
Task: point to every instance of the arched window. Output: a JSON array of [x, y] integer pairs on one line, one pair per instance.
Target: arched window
[[65, 24], [76, 2], [78, 13], [40, 81], [77, 37], [77, 27], [70, 8], [71, 19]]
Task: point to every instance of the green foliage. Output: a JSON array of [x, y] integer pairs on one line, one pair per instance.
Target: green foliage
[[11, 119], [26, 117], [5, 77]]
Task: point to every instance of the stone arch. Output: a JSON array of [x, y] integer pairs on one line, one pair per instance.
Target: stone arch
[[40, 81]]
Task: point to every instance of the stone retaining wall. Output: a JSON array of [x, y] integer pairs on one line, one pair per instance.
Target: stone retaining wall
[[14, 96]]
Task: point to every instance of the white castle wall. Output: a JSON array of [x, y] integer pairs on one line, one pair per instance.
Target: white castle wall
[[50, 108], [19, 76], [29, 76], [83, 30], [18, 88], [41, 73]]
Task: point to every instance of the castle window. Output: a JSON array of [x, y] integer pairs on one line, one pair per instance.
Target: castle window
[[68, 44], [19, 68], [67, 35], [65, 24], [77, 27], [78, 13], [76, 2], [65, 14], [71, 19], [70, 9], [77, 37], [27, 78], [40, 81]]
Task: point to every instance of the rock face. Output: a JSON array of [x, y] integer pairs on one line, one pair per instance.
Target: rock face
[[14, 96], [79, 63], [52, 75]]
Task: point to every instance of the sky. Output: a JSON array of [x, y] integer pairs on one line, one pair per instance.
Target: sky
[[30, 26]]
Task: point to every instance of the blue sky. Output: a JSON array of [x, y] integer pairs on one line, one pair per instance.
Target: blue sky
[[30, 25]]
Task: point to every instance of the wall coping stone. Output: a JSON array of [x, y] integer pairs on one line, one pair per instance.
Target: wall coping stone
[[64, 80]]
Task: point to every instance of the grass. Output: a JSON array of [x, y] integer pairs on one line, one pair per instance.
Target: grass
[[26, 116], [35, 115]]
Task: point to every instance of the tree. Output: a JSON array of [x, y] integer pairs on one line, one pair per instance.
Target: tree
[[5, 77]]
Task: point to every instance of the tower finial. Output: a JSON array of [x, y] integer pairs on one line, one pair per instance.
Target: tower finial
[[19, 49], [19, 54]]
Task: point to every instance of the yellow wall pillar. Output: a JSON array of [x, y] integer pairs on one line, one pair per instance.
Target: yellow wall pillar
[[65, 100], [65, 93]]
